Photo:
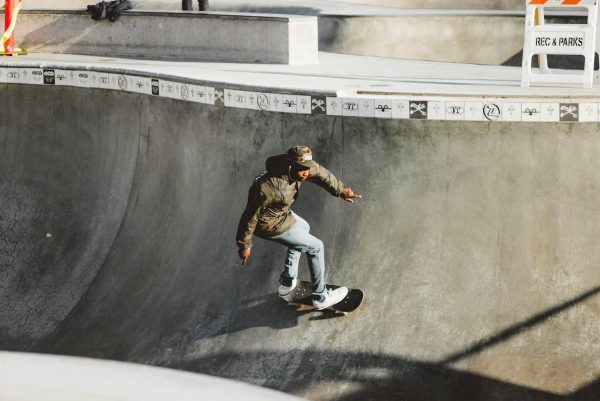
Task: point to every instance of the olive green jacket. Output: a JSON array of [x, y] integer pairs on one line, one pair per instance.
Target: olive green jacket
[[270, 197]]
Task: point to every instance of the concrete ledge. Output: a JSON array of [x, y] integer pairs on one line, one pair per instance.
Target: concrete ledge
[[224, 37], [28, 376]]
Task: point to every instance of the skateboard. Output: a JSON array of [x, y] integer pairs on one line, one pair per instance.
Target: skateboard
[[302, 296]]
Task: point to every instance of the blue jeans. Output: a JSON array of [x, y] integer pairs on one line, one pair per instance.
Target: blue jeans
[[299, 240]]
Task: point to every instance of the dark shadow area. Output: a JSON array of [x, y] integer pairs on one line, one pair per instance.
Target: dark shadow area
[[519, 328], [379, 377], [554, 61]]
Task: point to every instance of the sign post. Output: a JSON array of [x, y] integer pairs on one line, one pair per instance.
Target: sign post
[[569, 39], [9, 42]]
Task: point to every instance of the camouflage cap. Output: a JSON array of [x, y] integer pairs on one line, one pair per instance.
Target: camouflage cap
[[301, 155]]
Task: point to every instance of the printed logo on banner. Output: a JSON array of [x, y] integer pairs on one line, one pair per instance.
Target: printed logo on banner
[[228, 99], [122, 81], [569, 112], [103, 80], [240, 98], [219, 97], [61, 77], [251, 98], [400, 109], [83, 78], [436, 110], [511, 111], [37, 76], [262, 101], [169, 89], [251, 101], [289, 103], [13, 75], [333, 106], [588, 112], [200, 93], [383, 108], [366, 105], [549, 112], [492, 112], [531, 111], [276, 101], [184, 91], [418, 109], [303, 104], [49, 77], [155, 87], [350, 106], [210, 95], [455, 110]]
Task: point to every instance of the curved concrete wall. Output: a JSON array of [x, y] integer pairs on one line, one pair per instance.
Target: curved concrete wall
[[476, 247]]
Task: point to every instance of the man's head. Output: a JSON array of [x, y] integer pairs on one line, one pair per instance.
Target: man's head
[[300, 158]]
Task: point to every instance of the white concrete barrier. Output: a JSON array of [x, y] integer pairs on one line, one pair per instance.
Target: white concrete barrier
[[209, 36], [36, 377]]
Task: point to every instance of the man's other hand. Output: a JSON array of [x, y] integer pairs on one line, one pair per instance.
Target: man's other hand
[[244, 255], [349, 195]]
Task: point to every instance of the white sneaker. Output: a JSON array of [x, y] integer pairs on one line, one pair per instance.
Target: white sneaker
[[330, 298], [284, 291]]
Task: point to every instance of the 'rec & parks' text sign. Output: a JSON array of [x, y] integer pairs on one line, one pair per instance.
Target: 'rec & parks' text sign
[[559, 42]]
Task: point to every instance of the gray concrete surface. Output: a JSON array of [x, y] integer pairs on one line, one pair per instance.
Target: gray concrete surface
[[476, 247], [34, 377], [384, 30], [477, 39], [336, 74], [224, 37], [223, 4]]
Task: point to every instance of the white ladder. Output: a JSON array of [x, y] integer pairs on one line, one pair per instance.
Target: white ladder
[[569, 39]]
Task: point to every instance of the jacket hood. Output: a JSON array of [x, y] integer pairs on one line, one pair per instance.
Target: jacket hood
[[277, 165]]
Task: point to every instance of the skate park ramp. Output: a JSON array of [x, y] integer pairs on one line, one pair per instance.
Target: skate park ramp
[[475, 244]]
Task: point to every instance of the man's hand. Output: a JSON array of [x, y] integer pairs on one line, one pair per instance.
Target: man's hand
[[244, 255], [349, 196]]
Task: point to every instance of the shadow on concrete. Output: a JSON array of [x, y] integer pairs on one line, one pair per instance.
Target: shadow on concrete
[[519, 328], [379, 377]]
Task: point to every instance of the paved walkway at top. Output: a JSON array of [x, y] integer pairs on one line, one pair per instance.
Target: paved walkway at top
[[344, 75]]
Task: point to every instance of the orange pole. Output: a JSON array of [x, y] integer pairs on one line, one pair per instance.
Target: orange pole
[[9, 45]]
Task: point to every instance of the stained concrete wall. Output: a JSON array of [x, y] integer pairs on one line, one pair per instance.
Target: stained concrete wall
[[476, 247], [227, 37]]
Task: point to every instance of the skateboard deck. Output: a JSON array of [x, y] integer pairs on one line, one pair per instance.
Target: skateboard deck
[[302, 296]]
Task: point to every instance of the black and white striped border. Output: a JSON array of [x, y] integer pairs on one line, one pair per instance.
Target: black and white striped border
[[447, 108]]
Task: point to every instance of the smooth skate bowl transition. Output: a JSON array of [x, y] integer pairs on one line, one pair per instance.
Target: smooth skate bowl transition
[[476, 246]]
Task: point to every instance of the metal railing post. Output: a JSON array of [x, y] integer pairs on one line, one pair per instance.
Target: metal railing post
[[9, 45]]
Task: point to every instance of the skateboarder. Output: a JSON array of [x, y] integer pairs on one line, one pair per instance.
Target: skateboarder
[[268, 215]]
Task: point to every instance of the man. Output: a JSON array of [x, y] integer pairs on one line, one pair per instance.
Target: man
[[268, 215]]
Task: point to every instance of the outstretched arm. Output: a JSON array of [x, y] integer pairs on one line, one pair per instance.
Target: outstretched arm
[[325, 179]]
